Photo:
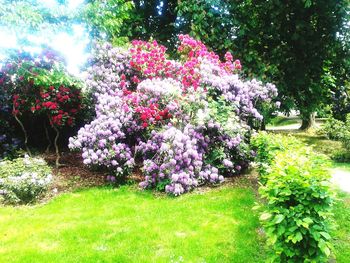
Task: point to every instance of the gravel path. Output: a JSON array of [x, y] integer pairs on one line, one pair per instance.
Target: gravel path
[[341, 178]]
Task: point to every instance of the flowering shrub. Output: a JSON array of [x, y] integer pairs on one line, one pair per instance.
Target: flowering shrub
[[23, 179], [184, 122], [39, 87], [177, 157]]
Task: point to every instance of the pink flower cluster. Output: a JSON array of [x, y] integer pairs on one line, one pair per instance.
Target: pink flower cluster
[[150, 59]]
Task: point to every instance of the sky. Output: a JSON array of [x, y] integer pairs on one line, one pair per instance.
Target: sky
[[71, 46]]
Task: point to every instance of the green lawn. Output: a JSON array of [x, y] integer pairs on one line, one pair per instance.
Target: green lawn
[[283, 121], [342, 166], [342, 231], [128, 225]]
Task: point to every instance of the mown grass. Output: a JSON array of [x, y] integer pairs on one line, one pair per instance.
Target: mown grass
[[342, 232], [283, 121], [127, 225]]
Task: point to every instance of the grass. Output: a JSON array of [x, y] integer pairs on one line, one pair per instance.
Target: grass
[[342, 232], [283, 121], [341, 166], [127, 225]]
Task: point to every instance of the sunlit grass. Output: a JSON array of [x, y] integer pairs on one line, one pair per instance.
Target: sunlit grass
[[127, 225], [283, 121], [342, 232]]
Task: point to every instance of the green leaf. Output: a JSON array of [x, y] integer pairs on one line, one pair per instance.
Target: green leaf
[[325, 235], [265, 216], [279, 218]]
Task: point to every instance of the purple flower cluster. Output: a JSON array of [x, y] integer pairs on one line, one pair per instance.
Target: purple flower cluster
[[177, 157], [108, 66], [244, 95], [8, 146], [104, 142]]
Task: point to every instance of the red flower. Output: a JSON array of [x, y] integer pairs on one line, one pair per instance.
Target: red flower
[[143, 116], [70, 121], [145, 125], [53, 106]]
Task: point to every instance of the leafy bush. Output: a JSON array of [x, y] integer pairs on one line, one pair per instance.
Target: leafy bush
[[333, 129], [342, 156], [23, 179], [338, 130], [296, 187]]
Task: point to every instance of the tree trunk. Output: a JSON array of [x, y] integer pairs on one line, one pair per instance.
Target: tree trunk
[[58, 156], [25, 135], [308, 121]]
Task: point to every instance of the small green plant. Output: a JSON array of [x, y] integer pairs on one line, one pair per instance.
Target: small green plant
[[23, 179], [296, 188]]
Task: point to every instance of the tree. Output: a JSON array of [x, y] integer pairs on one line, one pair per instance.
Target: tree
[[106, 19], [290, 43]]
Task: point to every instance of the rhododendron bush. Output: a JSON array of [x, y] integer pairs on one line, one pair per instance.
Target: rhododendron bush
[[184, 122], [37, 86]]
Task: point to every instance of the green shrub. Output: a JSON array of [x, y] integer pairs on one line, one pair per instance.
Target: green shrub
[[338, 130], [23, 179], [296, 187], [341, 156], [333, 129]]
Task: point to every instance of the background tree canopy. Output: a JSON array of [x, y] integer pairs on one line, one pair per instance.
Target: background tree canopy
[[302, 46]]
